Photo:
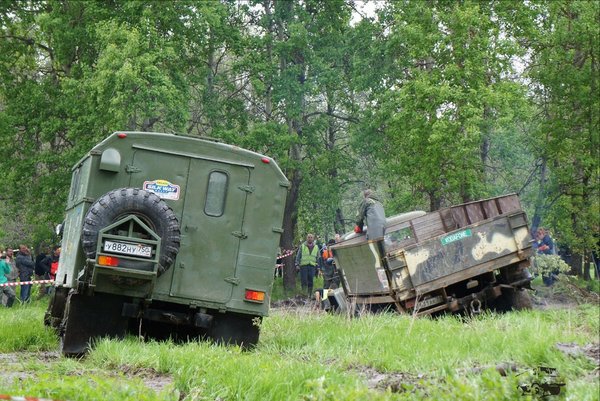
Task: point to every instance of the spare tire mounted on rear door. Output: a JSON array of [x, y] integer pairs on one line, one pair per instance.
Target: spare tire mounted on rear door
[[147, 206]]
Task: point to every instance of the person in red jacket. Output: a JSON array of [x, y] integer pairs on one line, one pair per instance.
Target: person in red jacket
[[52, 261]]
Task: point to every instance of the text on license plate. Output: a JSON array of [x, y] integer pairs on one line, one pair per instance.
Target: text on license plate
[[426, 303], [128, 249]]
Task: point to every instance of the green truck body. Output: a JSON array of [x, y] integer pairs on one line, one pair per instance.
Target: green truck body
[[463, 257], [171, 234]]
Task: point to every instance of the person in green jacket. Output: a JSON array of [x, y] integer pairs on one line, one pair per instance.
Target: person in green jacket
[[6, 290], [306, 262]]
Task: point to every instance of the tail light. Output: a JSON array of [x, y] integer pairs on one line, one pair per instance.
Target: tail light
[[104, 260], [255, 296]]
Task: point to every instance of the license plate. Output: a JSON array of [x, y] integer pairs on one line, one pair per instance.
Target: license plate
[[426, 303], [127, 248]]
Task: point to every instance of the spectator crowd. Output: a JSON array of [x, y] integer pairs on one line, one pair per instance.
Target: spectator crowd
[[19, 269]]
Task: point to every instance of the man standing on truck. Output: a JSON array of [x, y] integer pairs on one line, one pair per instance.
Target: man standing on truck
[[372, 213], [306, 261]]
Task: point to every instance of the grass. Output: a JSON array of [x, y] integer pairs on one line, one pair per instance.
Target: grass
[[279, 293], [312, 356], [20, 328]]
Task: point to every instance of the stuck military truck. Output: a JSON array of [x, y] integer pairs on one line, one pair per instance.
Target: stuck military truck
[[461, 258], [167, 236]]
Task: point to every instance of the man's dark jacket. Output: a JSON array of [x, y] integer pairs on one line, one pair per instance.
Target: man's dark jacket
[[25, 265]]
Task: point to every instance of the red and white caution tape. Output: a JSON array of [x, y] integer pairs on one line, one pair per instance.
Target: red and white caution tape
[[284, 255], [16, 283], [14, 398]]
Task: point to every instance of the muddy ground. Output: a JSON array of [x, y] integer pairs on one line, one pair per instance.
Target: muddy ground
[[562, 295]]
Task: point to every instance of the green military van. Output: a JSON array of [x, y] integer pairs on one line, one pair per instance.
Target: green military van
[[167, 236]]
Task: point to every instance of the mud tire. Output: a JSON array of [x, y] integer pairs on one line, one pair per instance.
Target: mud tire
[[151, 209], [88, 318], [230, 329], [510, 299]]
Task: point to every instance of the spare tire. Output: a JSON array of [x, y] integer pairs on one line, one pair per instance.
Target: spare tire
[[147, 206]]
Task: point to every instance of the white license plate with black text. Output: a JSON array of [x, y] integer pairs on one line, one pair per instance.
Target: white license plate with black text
[[126, 248]]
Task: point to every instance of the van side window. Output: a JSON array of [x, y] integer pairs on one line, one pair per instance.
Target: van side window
[[216, 193], [75, 184]]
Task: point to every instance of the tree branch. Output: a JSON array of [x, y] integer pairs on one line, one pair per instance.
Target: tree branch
[[31, 42], [350, 119]]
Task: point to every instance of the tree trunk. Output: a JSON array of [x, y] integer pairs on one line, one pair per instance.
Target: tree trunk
[[290, 218], [577, 265], [586, 266], [541, 198], [435, 202], [268, 84], [339, 226]]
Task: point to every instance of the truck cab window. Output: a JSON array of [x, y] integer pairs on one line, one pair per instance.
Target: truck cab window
[[216, 194], [397, 239]]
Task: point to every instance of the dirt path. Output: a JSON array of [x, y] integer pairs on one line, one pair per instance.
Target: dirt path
[[562, 295]]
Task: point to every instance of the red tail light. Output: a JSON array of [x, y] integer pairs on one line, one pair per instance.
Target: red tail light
[[108, 261], [256, 296]]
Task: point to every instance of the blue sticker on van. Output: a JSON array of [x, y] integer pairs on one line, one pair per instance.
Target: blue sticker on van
[[163, 188]]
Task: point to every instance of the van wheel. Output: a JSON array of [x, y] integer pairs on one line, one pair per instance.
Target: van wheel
[[232, 329], [88, 318], [148, 207], [56, 307]]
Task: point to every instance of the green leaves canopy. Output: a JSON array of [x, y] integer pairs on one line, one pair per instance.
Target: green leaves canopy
[[431, 102]]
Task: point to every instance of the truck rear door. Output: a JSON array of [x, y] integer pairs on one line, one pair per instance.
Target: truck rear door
[[209, 200], [212, 228]]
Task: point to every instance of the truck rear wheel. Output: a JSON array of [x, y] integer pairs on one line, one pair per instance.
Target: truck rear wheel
[[56, 307], [235, 330], [512, 299], [90, 317], [151, 209]]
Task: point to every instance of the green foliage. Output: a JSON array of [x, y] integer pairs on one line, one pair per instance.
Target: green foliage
[[432, 103], [568, 135], [546, 264], [444, 101]]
